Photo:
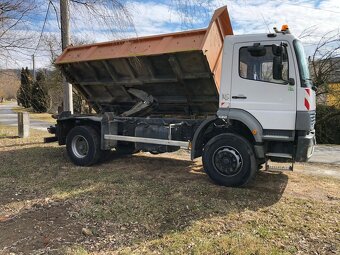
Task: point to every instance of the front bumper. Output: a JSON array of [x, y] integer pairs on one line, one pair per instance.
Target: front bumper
[[305, 147], [52, 130]]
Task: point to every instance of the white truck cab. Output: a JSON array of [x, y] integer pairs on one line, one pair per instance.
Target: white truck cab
[[265, 79]]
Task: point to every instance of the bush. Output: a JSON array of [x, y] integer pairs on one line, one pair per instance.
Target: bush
[[327, 124]]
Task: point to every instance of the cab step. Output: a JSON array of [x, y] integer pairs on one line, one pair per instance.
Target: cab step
[[284, 166], [279, 168]]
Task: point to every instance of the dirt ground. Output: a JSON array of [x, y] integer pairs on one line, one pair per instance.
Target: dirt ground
[[157, 204]]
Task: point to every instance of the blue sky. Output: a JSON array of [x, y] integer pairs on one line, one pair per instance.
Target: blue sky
[[160, 16]]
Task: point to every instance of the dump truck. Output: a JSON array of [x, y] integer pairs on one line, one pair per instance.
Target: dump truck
[[237, 101]]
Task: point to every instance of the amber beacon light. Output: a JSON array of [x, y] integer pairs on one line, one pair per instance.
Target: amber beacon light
[[284, 27]]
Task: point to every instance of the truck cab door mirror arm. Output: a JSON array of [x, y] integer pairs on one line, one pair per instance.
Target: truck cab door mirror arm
[[291, 81]]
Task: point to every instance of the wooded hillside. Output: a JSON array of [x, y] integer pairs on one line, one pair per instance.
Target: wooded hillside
[[9, 83]]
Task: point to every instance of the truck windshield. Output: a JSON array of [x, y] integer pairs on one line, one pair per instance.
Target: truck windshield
[[303, 65]]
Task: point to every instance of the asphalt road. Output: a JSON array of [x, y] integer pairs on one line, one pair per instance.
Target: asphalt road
[[329, 154], [10, 118]]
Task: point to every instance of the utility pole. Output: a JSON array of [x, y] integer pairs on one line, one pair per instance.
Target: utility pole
[[65, 41], [34, 76]]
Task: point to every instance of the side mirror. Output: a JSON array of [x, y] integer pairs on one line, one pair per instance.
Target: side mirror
[[257, 50], [277, 68]]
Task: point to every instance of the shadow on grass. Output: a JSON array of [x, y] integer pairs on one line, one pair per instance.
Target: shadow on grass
[[19, 144], [8, 137], [135, 198]]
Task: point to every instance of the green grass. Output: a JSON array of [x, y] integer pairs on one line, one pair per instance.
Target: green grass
[[147, 204], [47, 117]]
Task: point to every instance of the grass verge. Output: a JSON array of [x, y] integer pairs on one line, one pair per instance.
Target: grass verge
[[149, 204], [47, 117]]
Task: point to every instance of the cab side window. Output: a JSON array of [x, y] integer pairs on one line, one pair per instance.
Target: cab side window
[[260, 67]]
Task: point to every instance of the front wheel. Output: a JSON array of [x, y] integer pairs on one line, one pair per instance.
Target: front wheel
[[229, 160], [83, 146]]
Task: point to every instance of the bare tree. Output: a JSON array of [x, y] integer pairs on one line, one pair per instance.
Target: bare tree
[[111, 16], [15, 38], [325, 69], [325, 61], [52, 43], [111, 13], [12, 17], [191, 10]]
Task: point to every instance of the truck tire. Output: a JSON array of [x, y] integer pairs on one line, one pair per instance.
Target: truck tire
[[229, 160], [83, 146]]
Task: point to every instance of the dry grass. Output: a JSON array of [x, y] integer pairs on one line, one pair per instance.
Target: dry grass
[[36, 116], [146, 204]]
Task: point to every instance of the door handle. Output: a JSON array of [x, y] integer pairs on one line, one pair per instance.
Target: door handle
[[239, 97]]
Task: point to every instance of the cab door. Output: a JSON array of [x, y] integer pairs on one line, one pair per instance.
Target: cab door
[[257, 90]]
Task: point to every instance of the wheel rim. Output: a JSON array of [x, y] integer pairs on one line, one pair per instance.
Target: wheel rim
[[227, 161], [80, 146]]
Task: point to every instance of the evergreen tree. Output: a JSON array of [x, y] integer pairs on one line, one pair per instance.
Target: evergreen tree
[[40, 98], [19, 92], [24, 93]]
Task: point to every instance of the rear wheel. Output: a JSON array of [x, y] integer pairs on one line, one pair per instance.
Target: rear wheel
[[229, 160], [83, 146]]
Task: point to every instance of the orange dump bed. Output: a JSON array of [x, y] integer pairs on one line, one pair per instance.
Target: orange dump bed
[[181, 71]]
